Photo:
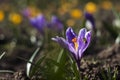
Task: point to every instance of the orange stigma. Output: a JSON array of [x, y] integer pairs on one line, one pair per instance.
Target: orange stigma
[[74, 40]]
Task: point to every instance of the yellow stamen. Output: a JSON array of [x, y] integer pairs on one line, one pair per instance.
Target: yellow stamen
[[74, 40]]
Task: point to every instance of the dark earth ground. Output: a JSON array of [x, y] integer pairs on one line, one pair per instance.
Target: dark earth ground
[[93, 66]]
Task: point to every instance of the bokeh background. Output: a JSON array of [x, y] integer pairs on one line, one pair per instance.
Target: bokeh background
[[19, 38]]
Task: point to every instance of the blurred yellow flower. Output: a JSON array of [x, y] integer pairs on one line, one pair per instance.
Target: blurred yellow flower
[[33, 11], [70, 22], [107, 5], [64, 8], [15, 18], [91, 7], [76, 13], [1, 15]]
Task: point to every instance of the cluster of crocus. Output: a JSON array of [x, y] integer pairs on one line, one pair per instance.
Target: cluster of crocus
[[39, 21], [76, 44]]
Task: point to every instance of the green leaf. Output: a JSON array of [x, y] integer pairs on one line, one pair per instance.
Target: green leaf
[[60, 70], [28, 66], [109, 73], [6, 71], [115, 74], [2, 55], [36, 66], [59, 59], [56, 68], [53, 62], [75, 69]]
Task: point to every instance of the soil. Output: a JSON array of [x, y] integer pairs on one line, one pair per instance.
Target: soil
[[105, 60], [93, 66]]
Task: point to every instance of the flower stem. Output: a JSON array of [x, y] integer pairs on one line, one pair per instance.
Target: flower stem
[[78, 65]]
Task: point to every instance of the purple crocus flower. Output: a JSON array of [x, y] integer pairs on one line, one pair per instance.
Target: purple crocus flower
[[90, 22], [39, 22], [75, 44], [55, 24]]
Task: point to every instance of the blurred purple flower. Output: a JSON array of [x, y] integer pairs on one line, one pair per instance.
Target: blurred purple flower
[[26, 12], [39, 22], [75, 44], [55, 24], [90, 22]]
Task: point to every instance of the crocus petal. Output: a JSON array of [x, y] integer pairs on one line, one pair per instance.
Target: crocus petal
[[61, 41], [90, 18], [88, 38], [79, 54], [82, 33], [72, 50], [39, 22], [85, 45], [35, 24], [65, 44], [81, 36], [70, 35], [33, 21]]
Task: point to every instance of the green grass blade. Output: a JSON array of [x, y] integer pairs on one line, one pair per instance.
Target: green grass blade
[[59, 59], [58, 67], [2, 55], [103, 75], [75, 70], [28, 66], [36, 66], [6, 71], [115, 74]]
